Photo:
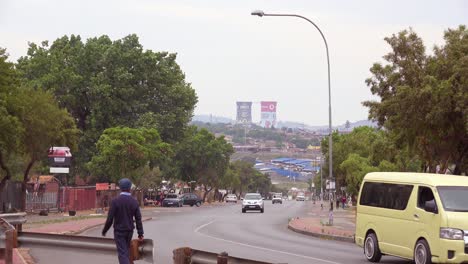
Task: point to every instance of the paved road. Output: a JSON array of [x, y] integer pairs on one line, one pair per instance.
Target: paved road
[[252, 235]]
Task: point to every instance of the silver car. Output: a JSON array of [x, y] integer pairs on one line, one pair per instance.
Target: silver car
[[231, 198], [253, 201]]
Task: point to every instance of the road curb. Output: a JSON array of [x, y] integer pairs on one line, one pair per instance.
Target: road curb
[[322, 236], [86, 228]]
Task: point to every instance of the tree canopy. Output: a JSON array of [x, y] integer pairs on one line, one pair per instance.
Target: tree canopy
[[203, 158], [364, 150], [125, 152], [105, 83], [424, 98]]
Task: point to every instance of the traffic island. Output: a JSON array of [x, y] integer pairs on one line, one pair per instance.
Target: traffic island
[[317, 228]]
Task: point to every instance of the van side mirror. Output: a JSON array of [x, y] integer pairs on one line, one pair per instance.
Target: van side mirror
[[430, 206]]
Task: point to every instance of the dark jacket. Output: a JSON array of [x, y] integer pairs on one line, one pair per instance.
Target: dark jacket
[[122, 211]]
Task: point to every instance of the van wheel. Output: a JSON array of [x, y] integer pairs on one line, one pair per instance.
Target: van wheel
[[422, 253], [371, 248]]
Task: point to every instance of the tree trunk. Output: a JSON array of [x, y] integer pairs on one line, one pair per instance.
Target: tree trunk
[[7, 171], [23, 185], [206, 192]]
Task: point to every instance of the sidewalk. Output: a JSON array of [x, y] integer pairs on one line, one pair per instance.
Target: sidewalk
[[60, 223], [18, 257], [315, 223]]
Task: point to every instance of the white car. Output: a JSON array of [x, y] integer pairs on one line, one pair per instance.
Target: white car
[[300, 197], [277, 199], [253, 201], [231, 198]]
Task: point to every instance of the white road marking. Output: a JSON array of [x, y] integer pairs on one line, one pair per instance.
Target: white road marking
[[197, 230]]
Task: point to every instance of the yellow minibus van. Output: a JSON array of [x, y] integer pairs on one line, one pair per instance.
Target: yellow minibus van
[[418, 216]]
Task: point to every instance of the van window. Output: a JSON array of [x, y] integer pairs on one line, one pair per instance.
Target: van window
[[386, 195], [454, 198], [424, 194]]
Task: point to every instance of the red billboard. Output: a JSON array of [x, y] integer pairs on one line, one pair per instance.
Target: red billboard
[[268, 114], [268, 106]]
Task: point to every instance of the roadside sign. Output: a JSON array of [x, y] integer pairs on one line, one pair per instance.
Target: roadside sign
[[102, 186], [59, 170]]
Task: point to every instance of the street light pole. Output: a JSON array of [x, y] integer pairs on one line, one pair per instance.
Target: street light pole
[[330, 143]]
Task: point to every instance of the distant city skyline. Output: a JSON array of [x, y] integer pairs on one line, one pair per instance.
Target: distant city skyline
[[228, 55]]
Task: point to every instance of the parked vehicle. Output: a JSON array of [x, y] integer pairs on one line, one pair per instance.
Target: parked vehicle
[[418, 216], [277, 199], [172, 199], [231, 198], [191, 199], [253, 201]]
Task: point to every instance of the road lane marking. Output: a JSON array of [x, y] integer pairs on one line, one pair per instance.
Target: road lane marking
[[197, 230], [202, 226]]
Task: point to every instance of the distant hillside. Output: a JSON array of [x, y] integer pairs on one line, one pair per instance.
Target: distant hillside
[[342, 127], [212, 119], [219, 119]]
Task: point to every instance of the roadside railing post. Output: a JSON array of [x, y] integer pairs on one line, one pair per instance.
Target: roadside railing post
[[9, 247], [223, 258], [182, 255], [10, 240]]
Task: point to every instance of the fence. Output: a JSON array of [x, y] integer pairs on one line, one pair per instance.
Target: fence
[[10, 197], [78, 198], [68, 198], [41, 201]]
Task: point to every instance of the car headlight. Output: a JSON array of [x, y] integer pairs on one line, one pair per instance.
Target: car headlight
[[451, 233]]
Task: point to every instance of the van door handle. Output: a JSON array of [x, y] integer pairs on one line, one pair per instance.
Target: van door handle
[[416, 216]]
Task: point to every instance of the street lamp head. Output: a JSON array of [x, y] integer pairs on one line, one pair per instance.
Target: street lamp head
[[257, 13]]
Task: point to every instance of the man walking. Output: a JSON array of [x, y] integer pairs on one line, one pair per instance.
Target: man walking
[[122, 211]]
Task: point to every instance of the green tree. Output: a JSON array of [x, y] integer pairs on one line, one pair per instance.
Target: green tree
[[355, 168], [105, 83], [424, 98], [375, 148], [44, 124], [125, 152], [10, 126], [246, 173], [203, 158]]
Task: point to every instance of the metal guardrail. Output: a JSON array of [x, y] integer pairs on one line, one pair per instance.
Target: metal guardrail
[[187, 255], [8, 237], [139, 250], [14, 219]]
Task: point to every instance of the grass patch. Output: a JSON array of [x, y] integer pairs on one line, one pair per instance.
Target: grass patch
[[66, 219]]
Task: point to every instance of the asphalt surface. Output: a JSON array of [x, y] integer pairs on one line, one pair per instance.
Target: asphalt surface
[[252, 235]]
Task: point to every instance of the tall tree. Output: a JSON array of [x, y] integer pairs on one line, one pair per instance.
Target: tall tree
[[424, 98], [105, 83], [10, 126], [44, 124]]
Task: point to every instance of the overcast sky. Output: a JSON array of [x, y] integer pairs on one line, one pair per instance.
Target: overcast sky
[[229, 55]]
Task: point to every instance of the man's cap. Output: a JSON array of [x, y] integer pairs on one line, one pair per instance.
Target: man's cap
[[125, 184]]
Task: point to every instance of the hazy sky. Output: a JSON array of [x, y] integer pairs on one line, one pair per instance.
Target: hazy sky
[[229, 55]]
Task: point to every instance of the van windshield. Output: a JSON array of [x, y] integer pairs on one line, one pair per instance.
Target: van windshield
[[454, 198]]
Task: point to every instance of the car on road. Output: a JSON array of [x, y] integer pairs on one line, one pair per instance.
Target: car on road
[[171, 200], [253, 201], [191, 199], [231, 198], [277, 199], [300, 197]]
